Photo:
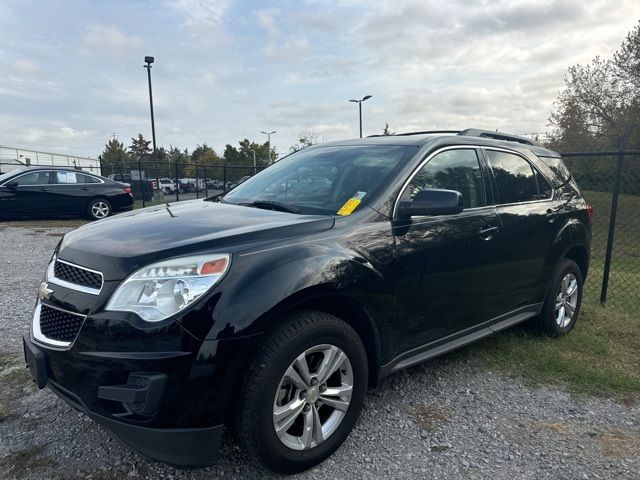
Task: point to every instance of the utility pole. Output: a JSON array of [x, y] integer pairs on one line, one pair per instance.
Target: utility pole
[[149, 60], [268, 134], [359, 102]]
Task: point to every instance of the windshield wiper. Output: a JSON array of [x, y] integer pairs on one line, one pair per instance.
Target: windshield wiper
[[269, 205]]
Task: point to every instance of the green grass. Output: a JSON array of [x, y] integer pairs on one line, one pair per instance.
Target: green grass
[[600, 356]]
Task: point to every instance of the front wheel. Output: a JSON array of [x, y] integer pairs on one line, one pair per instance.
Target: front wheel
[[562, 304], [303, 393]]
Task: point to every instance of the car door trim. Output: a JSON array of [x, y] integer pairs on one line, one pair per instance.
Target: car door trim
[[456, 340]]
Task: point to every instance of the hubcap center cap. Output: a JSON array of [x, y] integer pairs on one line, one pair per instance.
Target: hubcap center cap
[[313, 395]]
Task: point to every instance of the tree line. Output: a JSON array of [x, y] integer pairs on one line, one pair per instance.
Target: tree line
[[599, 109]]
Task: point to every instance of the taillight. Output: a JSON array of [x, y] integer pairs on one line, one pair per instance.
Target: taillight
[[590, 214], [127, 189]]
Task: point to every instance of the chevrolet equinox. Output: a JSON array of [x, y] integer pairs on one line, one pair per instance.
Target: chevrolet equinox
[[272, 308]]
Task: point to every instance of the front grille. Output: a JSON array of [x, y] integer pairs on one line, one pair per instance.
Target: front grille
[[77, 275], [58, 325]]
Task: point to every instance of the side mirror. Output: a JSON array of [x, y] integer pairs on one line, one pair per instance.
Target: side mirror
[[432, 201], [11, 184]]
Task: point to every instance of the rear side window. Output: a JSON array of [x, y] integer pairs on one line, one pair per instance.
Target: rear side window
[[557, 168], [66, 177], [82, 178], [515, 178]]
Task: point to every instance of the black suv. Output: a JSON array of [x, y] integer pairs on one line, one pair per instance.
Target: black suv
[[272, 308]]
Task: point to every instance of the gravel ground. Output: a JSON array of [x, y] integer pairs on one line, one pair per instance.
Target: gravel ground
[[447, 419]]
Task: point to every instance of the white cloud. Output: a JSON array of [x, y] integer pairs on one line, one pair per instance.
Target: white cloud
[[107, 39], [200, 12], [26, 67]]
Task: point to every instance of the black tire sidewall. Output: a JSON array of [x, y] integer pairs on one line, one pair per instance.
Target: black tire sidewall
[[93, 202], [273, 452], [548, 313]]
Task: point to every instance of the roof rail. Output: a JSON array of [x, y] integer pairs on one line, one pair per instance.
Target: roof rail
[[422, 132], [476, 132]]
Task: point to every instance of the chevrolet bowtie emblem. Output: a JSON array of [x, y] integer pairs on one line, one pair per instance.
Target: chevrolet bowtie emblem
[[44, 291]]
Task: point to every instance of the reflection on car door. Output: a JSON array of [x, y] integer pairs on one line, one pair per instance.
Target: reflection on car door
[[529, 217], [32, 196], [445, 262]]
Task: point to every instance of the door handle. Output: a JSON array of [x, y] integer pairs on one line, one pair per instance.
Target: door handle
[[45, 190], [488, 232], [552, 213], [86, 189]]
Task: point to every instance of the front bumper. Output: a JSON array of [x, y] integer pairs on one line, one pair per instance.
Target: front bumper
[[182, 445]]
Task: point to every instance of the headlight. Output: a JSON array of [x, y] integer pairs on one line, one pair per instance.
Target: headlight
[[159, 290]]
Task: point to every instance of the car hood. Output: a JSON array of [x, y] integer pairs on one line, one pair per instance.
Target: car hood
[[119, 245]]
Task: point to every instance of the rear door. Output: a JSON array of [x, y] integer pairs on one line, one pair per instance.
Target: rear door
[[530, 219], [446, 262], [72, 191]]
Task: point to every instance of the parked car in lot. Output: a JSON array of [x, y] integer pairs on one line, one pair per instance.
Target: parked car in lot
[[167, 186], [138, 188], [272, 308], [37, 192]]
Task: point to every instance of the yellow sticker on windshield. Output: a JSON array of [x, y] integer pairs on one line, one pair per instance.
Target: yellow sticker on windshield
[[351, 204]]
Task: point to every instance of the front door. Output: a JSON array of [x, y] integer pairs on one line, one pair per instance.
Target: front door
[[31, 197], [446, 262]]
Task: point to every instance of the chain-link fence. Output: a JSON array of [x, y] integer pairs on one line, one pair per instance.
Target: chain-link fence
[[177, 181], [610, 181]]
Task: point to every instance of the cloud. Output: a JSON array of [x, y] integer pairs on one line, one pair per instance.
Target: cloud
[[26, 67], [107, 39], [64, 134], [200, 12]]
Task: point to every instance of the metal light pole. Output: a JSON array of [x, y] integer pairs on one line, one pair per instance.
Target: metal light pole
[[359, 102], [268, 134], [149, 61]]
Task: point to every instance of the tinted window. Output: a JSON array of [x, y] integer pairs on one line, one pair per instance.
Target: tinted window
[[514, 177], [33, 178], [457, 170], [66, 177], [543, 186], [82, 178]]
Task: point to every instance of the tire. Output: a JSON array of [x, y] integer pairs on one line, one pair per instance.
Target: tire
[[99, 208], [556, 318], [266, 387]]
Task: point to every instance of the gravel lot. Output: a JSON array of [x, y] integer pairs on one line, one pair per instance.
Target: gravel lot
[[446, 419]]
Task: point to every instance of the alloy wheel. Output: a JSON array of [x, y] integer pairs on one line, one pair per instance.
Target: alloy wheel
[[100, 210], [313, 397], [566, 300]]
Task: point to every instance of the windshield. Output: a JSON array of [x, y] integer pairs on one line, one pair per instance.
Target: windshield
[[9, 174], [323, 181]]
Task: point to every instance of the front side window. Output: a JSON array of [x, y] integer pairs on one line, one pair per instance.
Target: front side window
[[33, 178], [457, 170], [515, 179], [324, 180]]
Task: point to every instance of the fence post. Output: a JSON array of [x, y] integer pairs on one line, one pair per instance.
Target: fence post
[[224, 177], [197, 193], [612, 228], [140, 181], [177, 185]]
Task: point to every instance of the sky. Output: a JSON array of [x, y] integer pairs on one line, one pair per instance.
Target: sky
[[71, 71]]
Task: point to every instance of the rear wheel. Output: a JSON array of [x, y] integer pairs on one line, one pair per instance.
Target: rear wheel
[[303, 393], [99, 208], [562, 304]]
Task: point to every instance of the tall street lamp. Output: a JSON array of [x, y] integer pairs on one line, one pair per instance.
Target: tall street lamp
[[149, 61], [359, 102], [268, 134]]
